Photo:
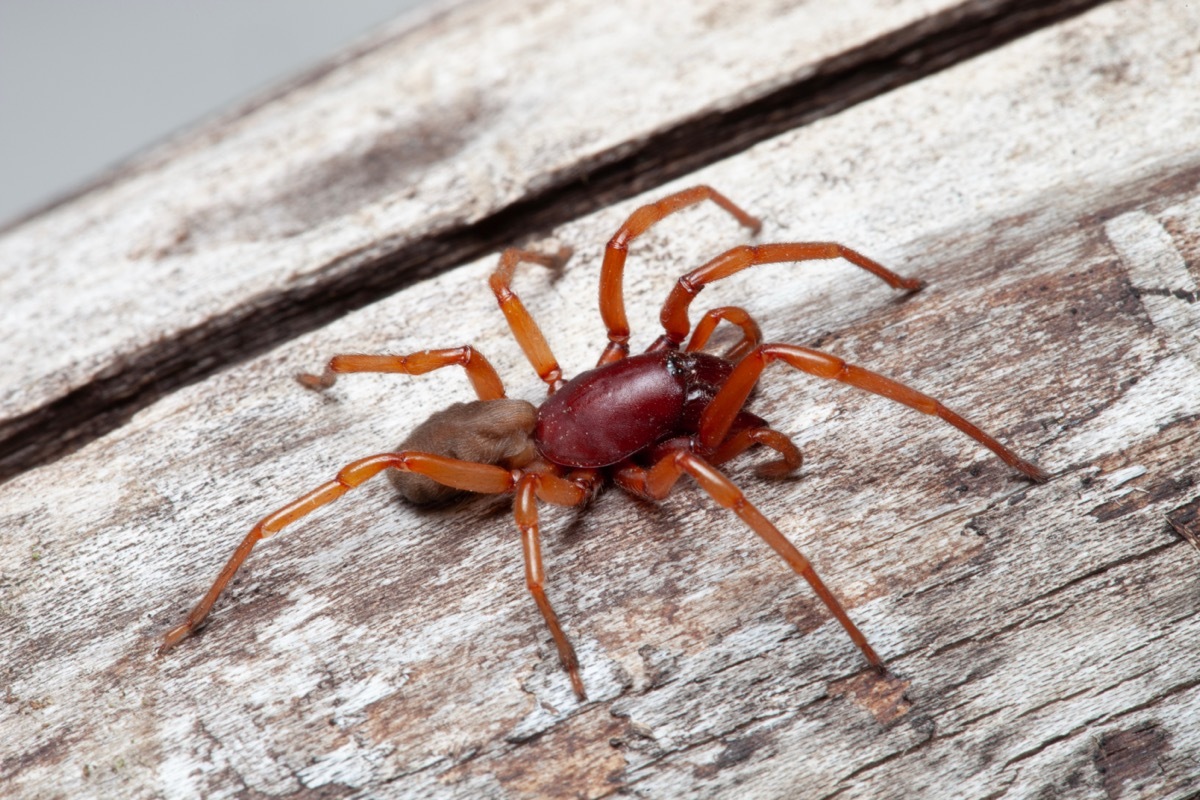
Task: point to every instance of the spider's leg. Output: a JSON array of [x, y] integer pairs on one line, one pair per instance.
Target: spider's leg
[[675, 309], [559, 491], [724, 408], [751, 334], [747, 431], [742, 440], [483, 376], [525, 330], [464, 475], [656, 483], [612, 272]]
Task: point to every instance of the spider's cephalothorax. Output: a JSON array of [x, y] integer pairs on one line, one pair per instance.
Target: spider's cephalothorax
[[614, 412], [640, 422]]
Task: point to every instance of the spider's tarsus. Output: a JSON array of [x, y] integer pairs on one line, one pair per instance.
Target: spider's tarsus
[[172, 638], [563, 255], [1037, 474], [1032, 471], [775, 470], [318, 383], [570, 663]]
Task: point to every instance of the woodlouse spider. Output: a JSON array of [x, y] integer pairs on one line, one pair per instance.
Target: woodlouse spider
[[639, 421]]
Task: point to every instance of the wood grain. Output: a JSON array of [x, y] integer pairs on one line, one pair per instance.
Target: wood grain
[[1043, 639]]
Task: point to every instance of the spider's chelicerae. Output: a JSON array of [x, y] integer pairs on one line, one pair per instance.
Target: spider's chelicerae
[[639, 421]]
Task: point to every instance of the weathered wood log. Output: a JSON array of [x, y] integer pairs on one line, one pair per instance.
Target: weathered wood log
[[1043, 640], [420, 151]]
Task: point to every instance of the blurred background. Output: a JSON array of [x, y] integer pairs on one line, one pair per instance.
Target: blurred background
[[85, 84]]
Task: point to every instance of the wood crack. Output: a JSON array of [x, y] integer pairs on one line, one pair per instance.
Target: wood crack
[[1041, 746], [623, 788], [929, 740], [1133, 558], [871, 765], [1166, 694], [1054, 701]]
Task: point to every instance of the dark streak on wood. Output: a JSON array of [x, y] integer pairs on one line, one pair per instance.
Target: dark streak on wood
[[1140, 498], [737, 750], [576, 760], [52, 752], [1158, 291], [1130, 755], [262, 323], [1185, 520]]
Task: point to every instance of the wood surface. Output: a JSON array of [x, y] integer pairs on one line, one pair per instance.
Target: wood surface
[[1043, 640]]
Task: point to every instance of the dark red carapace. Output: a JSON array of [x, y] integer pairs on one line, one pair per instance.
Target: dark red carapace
[[658, 394], [641, 422]]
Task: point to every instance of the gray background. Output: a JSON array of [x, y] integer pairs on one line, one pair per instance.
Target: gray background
[[84, 84]]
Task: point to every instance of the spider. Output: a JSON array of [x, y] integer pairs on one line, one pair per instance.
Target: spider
[[639, 421]]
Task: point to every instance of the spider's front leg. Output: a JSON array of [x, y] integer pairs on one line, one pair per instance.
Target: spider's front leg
[[674, 314], [462, 475], [612, 271], [751, 333], [747, 431], [742, 440], [722, 412]]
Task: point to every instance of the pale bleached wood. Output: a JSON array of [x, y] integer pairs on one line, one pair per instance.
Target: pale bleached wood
[[423, 131], [1047, 637]]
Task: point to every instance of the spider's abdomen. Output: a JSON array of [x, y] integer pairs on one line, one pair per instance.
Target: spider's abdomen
[[605, 415]]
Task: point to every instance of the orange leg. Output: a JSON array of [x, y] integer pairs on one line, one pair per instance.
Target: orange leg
[[675, 310], [463, 475], [721, 412], [560, 491], [657, 482], [525, 330], [751, 334], [483, 376], [743, 440], [612, 296]]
